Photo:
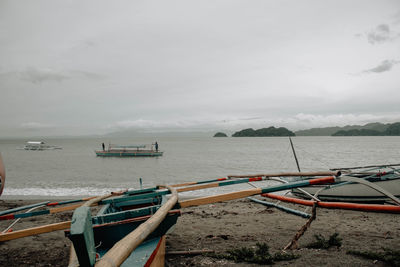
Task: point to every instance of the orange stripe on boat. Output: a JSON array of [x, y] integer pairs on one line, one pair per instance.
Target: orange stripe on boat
[[337, 205], [153, 255], [329, 179], [221, 179]]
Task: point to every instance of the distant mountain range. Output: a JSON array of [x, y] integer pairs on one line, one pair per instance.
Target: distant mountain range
[[328, 131]]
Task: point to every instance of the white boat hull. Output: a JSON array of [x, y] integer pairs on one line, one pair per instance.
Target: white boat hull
[[353, 192]]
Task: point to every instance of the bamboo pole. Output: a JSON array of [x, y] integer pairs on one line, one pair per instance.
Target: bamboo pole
[[251, 192], [322, 173], [123, 248], [35, 231], [362, 167], [48, 227]]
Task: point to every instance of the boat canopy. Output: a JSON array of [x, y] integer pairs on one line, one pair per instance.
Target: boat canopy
[[35, 142], [128, 146]]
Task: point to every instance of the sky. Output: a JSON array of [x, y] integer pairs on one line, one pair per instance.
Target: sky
[[94, 67]]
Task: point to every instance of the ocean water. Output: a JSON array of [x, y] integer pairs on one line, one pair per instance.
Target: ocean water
[[76, 171]]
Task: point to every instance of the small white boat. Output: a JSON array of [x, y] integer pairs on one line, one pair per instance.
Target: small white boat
[[39, 145]]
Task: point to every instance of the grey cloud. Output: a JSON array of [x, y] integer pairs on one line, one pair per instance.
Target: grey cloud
[[380, 34], [385, 65], [35, 75]]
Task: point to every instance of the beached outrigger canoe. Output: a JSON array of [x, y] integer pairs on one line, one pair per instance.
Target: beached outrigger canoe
[[128, 151], [369, 184], [128, 230]]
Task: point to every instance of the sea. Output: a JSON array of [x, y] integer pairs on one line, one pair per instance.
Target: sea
[[75, 170]]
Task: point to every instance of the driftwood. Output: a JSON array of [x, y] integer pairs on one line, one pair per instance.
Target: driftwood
[[293, 244]]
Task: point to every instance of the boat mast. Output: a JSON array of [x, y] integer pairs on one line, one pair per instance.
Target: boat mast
[[294, 153]]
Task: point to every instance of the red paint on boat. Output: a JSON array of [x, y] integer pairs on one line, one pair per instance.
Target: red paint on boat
[[337, 205], [324, 180], [7, 217], [153, 255]]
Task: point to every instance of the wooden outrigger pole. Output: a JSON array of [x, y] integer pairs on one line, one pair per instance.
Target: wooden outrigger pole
[[252, 192], [286, 174]]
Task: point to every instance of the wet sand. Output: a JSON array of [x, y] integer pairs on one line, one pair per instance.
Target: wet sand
[[224, 226]]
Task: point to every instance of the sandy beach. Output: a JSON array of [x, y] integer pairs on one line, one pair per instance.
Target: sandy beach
[[224, 226]]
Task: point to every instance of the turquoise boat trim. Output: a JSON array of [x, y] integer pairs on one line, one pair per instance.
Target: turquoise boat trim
[[141, 191], [154, 201], [284, 186], [23, 208], [126, 198], [81, 234], [140, 256], [123, 215]]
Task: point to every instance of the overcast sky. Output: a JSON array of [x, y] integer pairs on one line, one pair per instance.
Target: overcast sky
[[81, 67]]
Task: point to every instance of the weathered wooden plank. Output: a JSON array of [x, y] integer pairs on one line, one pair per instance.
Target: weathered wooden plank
[[219, 198], [35, 231]]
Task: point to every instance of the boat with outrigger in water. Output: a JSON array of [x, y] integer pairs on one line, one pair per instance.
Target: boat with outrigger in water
[[38, 146], [114, 150]]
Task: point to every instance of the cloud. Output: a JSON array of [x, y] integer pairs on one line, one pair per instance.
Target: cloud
[[35, 75], [382, 34], [385, 65], [34, 126]]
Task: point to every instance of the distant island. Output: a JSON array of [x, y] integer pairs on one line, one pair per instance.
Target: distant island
[[220, 134], [370, 129], [264, 132], [390, 130]]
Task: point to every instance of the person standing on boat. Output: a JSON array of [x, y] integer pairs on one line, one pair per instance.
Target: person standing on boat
[[103, 146], [156, 146]]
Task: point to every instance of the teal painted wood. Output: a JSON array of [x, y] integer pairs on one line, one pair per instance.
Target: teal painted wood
[[141, 255], [31, 214], [141, 191], [285, 186], [209, 181], [81, 235], [22, 208], [153, 201], [283, 208], [123, 215], [141, 196], [106, 235]]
